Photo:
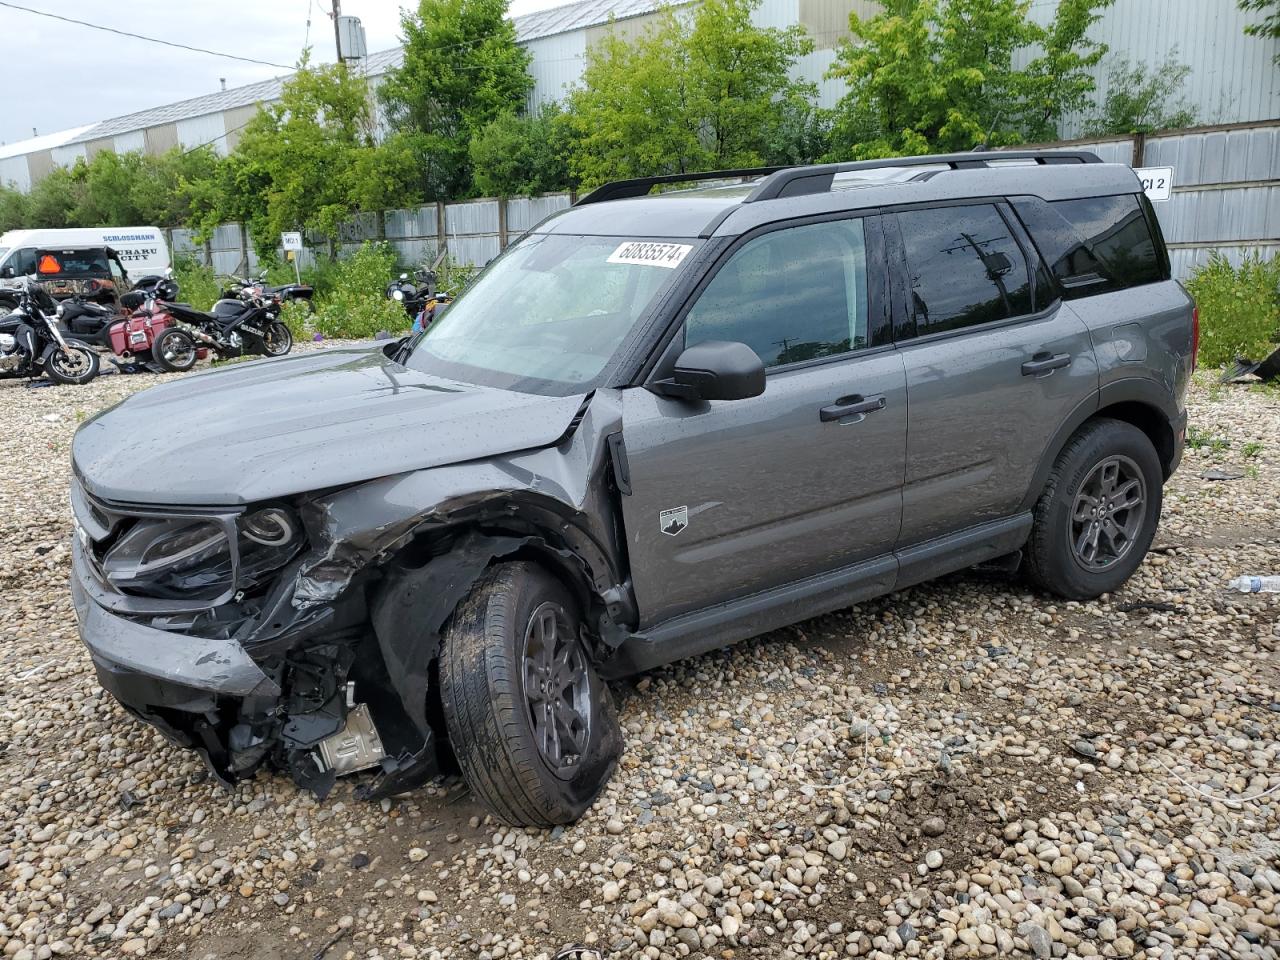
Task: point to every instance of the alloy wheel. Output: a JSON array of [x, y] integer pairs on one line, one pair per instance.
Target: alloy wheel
[[557, 689], [1107, 513]]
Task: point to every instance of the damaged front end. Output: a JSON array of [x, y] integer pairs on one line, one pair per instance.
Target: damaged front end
[[302, 634]]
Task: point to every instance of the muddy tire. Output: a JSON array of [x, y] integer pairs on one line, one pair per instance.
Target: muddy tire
[[530, 722], [1097, 516]]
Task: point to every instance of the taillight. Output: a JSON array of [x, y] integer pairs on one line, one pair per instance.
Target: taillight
[[1195, 336]]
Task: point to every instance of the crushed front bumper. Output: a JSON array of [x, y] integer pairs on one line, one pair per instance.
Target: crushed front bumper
[[294, 711]]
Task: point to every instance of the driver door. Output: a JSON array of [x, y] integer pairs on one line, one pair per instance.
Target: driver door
[[733, 497]]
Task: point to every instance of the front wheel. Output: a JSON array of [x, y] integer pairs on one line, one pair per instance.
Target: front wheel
[[278, 340], [174, 350], [75, 365], [530, 722], [1097, 516]]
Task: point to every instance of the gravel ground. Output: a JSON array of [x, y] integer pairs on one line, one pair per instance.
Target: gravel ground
[[962, 769]]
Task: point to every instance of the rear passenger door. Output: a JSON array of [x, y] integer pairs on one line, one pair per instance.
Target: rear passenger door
[[994, 364]]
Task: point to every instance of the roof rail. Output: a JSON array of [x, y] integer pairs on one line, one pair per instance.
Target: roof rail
[[795, 181], [640, 186]]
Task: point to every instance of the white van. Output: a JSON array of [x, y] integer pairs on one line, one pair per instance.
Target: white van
[[142, 250]]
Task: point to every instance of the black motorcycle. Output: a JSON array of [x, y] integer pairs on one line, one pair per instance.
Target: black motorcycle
[[412, 294], [32, 344], [235, 327], [248, 288]]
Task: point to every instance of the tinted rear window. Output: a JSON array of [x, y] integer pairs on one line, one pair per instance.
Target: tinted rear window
[[1095, 244]]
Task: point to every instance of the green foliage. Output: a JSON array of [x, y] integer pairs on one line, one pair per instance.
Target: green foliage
[[1239, 308], [938, 76], [1269, 25], [701, 90], [1198, 438], [355, 306], [1142, 100], [297, 317], [305, 163], [13, 209], [523, 155], [462, 70], [196, 283]]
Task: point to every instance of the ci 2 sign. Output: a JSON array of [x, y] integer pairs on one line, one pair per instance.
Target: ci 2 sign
[[1157, 182]]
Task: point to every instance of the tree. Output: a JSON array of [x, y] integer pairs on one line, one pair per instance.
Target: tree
[[526, 155], [54, 199], [13, 209], [701, 90], [938, 75], [304, 163], [1269, 26], [462, 70], [1141, 100]]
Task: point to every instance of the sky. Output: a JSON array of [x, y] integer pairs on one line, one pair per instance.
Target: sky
[[74, 76]]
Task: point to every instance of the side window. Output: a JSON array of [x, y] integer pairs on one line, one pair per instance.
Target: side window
[[965, 267], [117, 271], [1093, 245], [24, 262], [1116, 229], [794, 294]]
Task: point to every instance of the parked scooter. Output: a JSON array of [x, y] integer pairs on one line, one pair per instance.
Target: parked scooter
[[247, 288], [147, 336], [235, 327], [32, 345]]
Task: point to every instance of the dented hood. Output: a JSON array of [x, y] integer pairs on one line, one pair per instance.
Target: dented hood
[[301, 423]]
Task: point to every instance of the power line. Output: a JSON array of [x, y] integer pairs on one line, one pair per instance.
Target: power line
[[139, 36]]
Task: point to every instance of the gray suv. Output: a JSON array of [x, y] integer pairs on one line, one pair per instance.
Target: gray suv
[[654, 426]]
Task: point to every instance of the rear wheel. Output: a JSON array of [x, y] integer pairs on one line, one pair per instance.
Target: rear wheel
[[174, 350], [529, 720], [277, 340], [1097, 516], [73, 365]]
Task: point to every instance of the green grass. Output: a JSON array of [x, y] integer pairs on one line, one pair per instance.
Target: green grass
[[1251, 449], [1200, 439]]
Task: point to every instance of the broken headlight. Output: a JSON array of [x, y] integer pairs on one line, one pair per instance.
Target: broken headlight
[[270, 527], [179, 558], [191, 558]]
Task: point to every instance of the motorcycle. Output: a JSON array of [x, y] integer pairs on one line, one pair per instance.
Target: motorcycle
[[247, 288], [146, 336], [421, 299], [235, 327], [32, 344]]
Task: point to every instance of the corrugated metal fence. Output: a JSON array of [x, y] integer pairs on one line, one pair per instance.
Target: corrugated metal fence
[[1226, 188], [1226, 197], [473, 233]]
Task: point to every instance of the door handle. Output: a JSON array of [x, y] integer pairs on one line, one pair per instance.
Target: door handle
[[849, 406], [1045, 362]]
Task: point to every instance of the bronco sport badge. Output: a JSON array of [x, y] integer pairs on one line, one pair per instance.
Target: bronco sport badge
[[674, 520]]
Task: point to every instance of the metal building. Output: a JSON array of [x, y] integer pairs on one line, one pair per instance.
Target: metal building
[[1232, 76]]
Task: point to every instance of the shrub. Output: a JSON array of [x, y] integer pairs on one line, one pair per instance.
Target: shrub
[[1239, 308], [356, 306], [197, 283]]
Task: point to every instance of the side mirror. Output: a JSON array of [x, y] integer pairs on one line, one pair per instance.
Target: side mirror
[[6, 272], [404, 276], [715, 370], [168, 272]]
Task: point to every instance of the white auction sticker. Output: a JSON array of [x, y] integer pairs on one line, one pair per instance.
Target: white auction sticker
[[646, 253]]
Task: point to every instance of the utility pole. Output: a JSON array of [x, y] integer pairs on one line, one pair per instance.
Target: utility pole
[[337, 34]]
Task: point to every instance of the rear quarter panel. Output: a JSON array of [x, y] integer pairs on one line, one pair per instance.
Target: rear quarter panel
[[1142, 332]]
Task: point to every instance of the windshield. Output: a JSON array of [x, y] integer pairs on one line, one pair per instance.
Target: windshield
[[549, 315]]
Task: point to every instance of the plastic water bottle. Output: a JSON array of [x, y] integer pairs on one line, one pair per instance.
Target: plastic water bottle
[[1255, 584]]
